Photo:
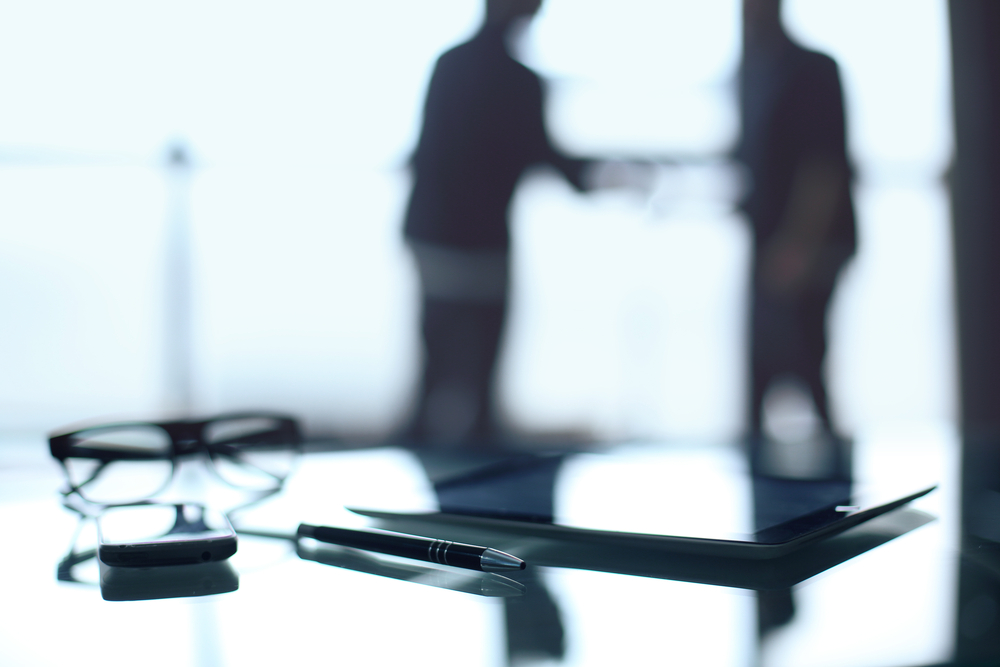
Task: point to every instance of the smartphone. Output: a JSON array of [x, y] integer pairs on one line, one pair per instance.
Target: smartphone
[[152, 535]]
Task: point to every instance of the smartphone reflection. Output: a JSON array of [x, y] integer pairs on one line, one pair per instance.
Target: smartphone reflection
[[167, 581]]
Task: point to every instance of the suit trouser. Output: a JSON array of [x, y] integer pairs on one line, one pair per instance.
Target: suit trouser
[[463, 310], [788, 338], [461, 349]]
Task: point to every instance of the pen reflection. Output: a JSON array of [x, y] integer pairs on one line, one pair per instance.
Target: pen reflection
[[485, 584]]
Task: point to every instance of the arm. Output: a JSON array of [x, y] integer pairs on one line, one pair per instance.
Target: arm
[[543, 152]]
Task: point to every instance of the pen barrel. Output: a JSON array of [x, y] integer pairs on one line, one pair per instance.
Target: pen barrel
[[406, 546], [456, 554]]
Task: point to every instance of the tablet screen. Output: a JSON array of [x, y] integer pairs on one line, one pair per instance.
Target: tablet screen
[[704, 491]]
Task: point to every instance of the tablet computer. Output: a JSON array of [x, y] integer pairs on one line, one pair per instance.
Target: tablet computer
[[711, 500]]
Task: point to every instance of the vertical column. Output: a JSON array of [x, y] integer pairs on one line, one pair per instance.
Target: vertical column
[[975, 25], [178, 297]]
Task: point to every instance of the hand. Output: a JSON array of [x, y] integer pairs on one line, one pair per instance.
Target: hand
[[615, 174]]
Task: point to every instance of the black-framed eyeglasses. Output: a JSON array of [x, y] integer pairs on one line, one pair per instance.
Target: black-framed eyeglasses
[[128, 461]]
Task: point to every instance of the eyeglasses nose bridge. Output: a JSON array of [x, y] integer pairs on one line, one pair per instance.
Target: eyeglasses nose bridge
[[187, 444]]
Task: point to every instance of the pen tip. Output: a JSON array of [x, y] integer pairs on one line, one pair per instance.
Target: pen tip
[[498, 561]]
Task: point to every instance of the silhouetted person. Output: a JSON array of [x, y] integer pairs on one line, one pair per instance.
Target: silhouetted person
[[482, 129], [799, 202]]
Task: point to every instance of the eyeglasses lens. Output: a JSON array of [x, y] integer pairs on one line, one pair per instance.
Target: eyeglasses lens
[[251, 452], [138, 467]]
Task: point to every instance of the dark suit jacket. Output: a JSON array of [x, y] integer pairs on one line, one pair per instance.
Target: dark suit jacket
[[483, 127], [791, 109]]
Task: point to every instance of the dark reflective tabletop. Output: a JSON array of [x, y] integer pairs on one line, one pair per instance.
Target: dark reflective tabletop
[[905, 588]]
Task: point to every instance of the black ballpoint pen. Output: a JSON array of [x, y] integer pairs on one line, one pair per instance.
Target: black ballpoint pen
[[419, 548]]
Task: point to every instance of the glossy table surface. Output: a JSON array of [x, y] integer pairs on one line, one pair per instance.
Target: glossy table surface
[[885, 593]]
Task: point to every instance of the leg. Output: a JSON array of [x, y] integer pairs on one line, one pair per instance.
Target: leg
[[771, 340], [464, 304], [812, 318], [489, 325], [461, 343]]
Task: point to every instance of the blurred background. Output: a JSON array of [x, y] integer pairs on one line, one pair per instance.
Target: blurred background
[[201, 202]]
